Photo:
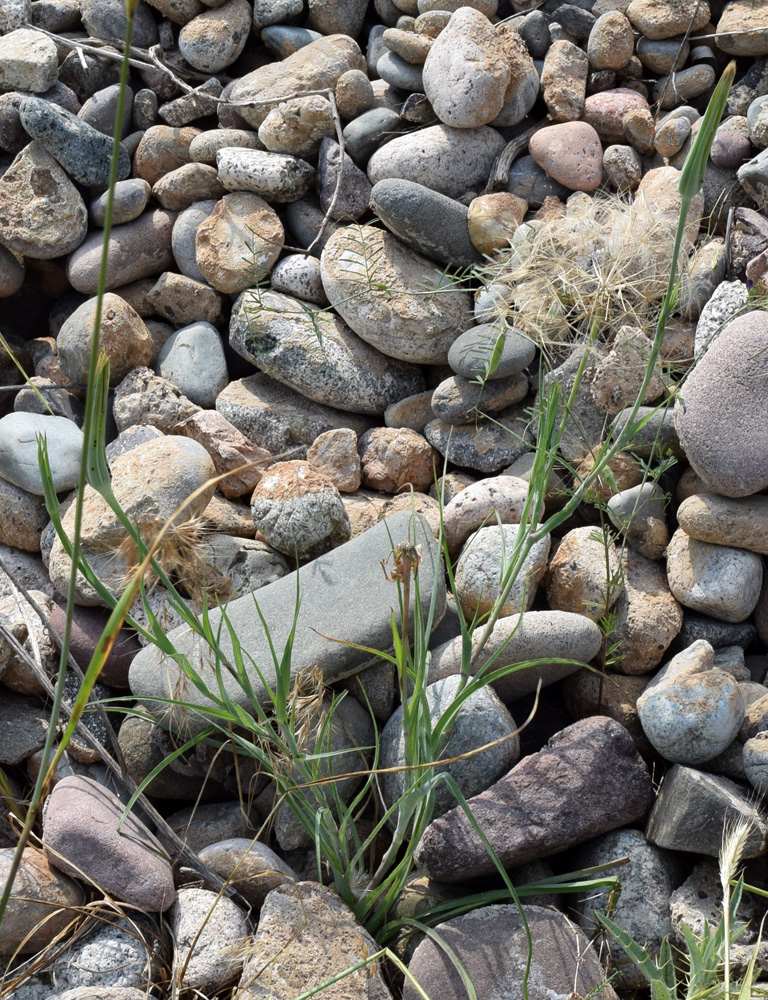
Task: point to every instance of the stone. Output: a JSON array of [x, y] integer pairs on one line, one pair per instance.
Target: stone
[[620, 375], [354, 94], [28, 61], [145, 398], [130, 200], [482, 570], [80, 834], [214, 39], [492, 945], [298, 126], [14, 14], [737, 522], [497, 498], [299, 276], [466, 72], [316, 938], [704, 274], [564, 81], [692, 808], [452, 161], [42, 214], [106, 19], [492, 220], [208, 823], [298, 511], [656, 437], [408, 45], [208, 931], [100, 111], [23, 724], [268, 12], [648, 617], [229, 449], [394, 459], [583, 573], [205, 145], [187, 184], [589, 692], [639, 512], [470, 354], [161, 150], [525, 815], [487, 445], [523, 89], [571, 153], [280, 419], [316, 354], [19, 451], [606, 111], [541, 636], [755, 761], [622, 167], [329, 607], [83, 151], [252, 868], [663, 55], [393, 298], [691, 711], [482, 719], [611, 42], [400, 74], [316, 66], [138, 249], [727, 301], [426, 220], [277, 177], [184, 235], [740, 30], [374, 128], [666, 18], [235, 565], [343, 188], [24, 517], [123, 336], [715, 579], [193, 359], [182, 301], [40, 905]]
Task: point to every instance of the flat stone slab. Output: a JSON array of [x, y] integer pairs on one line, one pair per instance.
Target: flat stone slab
[[344, 595]]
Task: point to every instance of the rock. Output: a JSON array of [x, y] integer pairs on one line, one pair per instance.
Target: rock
[[40, 905], [106, 19], [716, 579], [277, 177], [534, 635], [499, 498], [334, 456], [329, 606], [42, 214], [299, 276], [606, 111], [492, 945], [691, 711], [420, 217], [639, 513], [583, 574], [317, 355], [523, 89], [394, 459], [453, 161], [482, 719], [268, 12], [364, 135], [525, 815], [466, 72], [666, 18], [145, 398], [588, 693], [392, 297], [161, 150], [492, 220], [409, 45], [83, 151], [19, 450], [298, 126], [692, 808], [138, 249], [727, 300], [14, 14], [622, 167], [755, 761], [278, 418], [187, 184], [684, 86], [656, 437], [400, 74], [131, 199], [207, 932], [193, 359], [183, 301], [28, 61], [316, 66], [648, 618], [23, 724], [611, 42], [470, 353], [619, 377], [214, 39], [739, 523], [488, 445], [298, 511], [123, 336], [740, 31], [252, 868], [205, 145], [564, 81], [24, 517], [80, 834], [229, 449], [317, 938], [482, 571], [584, 428], [571, 153], [184, 235]]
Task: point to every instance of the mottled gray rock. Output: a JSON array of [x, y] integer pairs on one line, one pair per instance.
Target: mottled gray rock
[[19, 449], [328, 606], [106, 19], [207, 930], [343, 188], [423, 218], [639, 512], [130, 200], [145, 398], [691, 810], [299, 275], [527, 815], [487, 446], [546, 636], [317, 355], [275, 176], [28, 61], [727, 299], [193, 359], [470, 354]]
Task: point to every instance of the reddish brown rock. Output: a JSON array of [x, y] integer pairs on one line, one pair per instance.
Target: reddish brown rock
[[229, 449], [334, 455], [395, 458]]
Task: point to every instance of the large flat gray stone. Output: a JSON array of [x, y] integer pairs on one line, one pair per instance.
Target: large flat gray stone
[[344, 595]]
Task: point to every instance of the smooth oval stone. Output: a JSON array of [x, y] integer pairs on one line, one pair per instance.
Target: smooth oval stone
[[252, 868], [130, 200], [317, 354], [80, 834], [284, 40], [137, 249], [400, 74], [184, 237], [487, 446], [458, 400], [193, 359], [299, 275], [41, 212], [451, 161], [480, 571], [12, 271], [214, 39], [123, 336], [571, 153], [83, 151], [364, 135], [470, 354], [392, 297], [425, 219], [106, 19], [100, 111], [18, 450]]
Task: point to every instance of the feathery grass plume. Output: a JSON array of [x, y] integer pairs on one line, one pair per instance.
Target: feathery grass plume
[[735, 838]]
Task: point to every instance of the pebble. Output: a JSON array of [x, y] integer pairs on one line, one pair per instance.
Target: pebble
[[727, 455], [582, 574], [493, 219], [214, 39], [740, 523], [298, 126], [19, 451], [207, 930], [106, 19], [481, 571], [666, 18], [344, 190], [237, 243], [205, 145], [714, 579], [252, 868], [80, 834], [393, 298], [639, 512], [409, 45], [186, 185], [28, 61], [525, 815], [193, 359], [684, 85], [606, 111], [611, 41], [740, 30], [400, 74], [452, 161], [182, 301], [394, 459], [184, 235], [469, 353], [353, 94], [436, 225], [274, 176], [487, 446], [130, 200], [334, 455], [726, 301], [564, 81], [299, 276], [570, 152], [364, 135], [161, 150]]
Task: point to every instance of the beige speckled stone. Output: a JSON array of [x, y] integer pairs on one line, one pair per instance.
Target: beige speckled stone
[[123, 336], [334, 455], [649, 616], [492, 220], [578, 578], [237, 244], [298, 126]]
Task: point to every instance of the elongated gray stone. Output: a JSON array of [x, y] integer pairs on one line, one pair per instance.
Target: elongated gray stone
[[344, 595]]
